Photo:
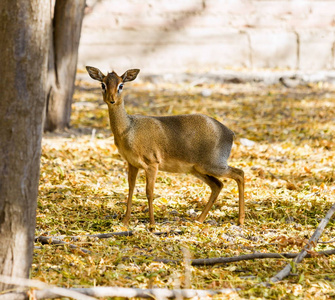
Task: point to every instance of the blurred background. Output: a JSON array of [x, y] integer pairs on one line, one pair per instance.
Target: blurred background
[[211, 37]]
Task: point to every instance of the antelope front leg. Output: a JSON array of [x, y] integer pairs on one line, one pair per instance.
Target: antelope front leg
[[151, 173], [132, 174], [241, 201]]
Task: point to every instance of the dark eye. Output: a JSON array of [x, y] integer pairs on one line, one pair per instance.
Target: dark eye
[[120, 87], [103, 86]]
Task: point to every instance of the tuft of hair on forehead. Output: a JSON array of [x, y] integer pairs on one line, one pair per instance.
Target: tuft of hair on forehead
[[113, 73], [112, 78]]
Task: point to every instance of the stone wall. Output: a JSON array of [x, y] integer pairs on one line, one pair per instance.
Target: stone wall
[[198, 36]]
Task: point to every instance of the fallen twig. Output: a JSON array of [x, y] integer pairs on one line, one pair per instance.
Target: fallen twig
[[194, 262], [219, 260], [24, 282], [54, 239], [49, 292], [327, 242], [51, 240], [304, 252], [110, 234], [45, 240], [134, 292], [224, 260], [130, 233]]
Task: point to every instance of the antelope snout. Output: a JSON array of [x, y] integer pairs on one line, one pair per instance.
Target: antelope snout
[[111, 100]]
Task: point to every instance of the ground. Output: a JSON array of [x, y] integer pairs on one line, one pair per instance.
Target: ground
[[285, 145]]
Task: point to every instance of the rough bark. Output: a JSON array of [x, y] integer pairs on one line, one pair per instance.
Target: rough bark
[[63, 56], [24, 35]]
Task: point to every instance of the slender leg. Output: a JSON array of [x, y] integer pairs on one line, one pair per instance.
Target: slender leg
[[238, 176], [215, 185], [151, 173], [132, 174]]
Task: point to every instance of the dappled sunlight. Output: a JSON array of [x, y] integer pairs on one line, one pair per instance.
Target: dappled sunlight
[[288, 158]]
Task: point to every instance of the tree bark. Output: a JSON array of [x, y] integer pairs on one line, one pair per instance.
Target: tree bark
[[24, 27], [63, 56]]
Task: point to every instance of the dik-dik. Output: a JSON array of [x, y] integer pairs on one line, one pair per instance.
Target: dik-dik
[[195, 144]]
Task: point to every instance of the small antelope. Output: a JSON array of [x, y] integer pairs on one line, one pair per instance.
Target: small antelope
[[195, 144]]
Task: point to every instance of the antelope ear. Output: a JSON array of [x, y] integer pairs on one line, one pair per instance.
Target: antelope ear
[[95, 73], [130, 75]]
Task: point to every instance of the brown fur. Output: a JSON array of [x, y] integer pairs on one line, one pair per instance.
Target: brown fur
[[195, 144]]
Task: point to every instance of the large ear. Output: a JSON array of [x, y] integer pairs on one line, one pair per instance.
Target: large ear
[[95, 73], [130, 75]]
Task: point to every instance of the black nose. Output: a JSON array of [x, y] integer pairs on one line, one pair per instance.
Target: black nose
[[112, 102]]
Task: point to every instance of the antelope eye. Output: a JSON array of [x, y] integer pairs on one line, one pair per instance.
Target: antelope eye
[[103, 86], [120, 88]]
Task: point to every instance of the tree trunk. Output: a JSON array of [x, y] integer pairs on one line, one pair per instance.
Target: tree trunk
[[63, 56], [24, 27]]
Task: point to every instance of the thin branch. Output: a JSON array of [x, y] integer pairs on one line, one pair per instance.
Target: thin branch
[[49, 292], [24, 282], [44, 240], [110, 234], [131, 233], [134, 292], [220, 260], [56, 239], [327, 242], [311, 243], [194, 262], [225, 260]]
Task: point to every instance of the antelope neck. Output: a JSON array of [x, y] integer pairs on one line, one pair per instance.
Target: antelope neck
[[119, 119]]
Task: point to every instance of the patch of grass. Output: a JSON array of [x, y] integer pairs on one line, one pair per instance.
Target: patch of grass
[[289, 188]]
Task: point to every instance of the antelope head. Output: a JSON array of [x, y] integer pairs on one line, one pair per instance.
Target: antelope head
[[112, 84]]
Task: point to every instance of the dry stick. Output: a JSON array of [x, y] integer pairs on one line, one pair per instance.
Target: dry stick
[[110, 234], [187, 269], [311, 243], [224, 260], [50, 240], [133, 292], [121, 233], [327, 242], [24, 282], [194, 262], [54, 241], [220, 260], [130, 233], [48, 292]]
